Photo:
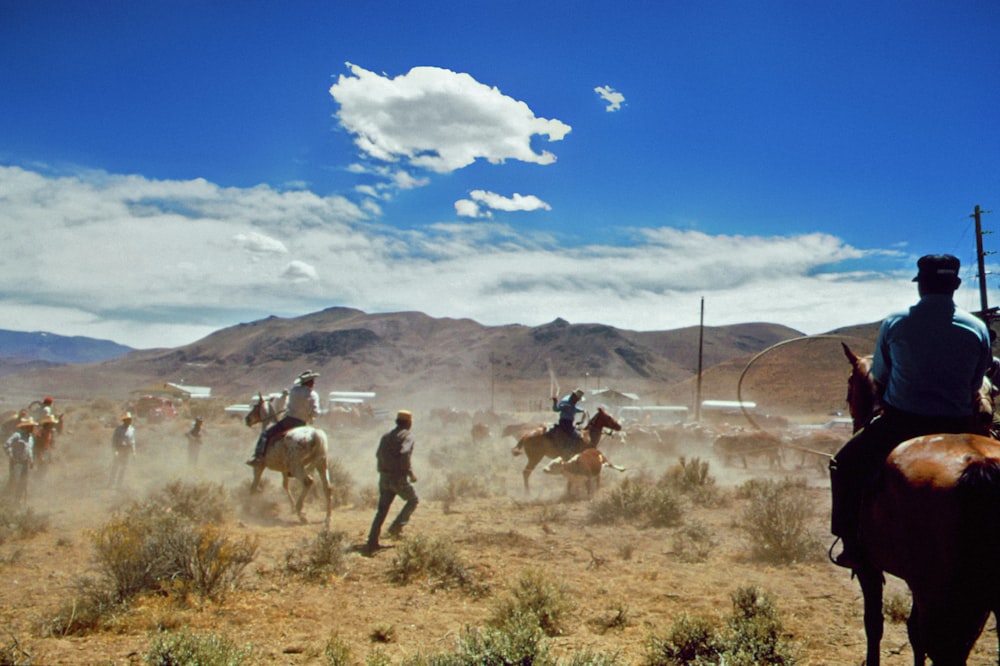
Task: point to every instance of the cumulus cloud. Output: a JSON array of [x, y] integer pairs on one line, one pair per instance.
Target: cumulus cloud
[[437, 119], [300, 271], [258, 243], [162, 263], [611, 96], [480, 203]]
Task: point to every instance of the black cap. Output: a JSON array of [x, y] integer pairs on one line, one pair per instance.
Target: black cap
[[937, 268]]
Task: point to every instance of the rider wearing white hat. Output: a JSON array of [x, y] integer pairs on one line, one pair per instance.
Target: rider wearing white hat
[[301, 408]]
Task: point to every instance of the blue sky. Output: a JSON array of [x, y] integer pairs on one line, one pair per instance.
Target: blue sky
[[171, 168]]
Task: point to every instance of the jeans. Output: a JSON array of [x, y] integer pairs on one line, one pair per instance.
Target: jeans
[[389, 486]]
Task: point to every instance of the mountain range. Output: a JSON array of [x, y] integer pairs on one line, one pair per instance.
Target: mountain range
[[424, 362]]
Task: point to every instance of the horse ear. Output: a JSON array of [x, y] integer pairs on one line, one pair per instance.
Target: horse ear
[[851, 356]]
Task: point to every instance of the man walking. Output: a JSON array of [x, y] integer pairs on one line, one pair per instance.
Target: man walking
[[395, 476]]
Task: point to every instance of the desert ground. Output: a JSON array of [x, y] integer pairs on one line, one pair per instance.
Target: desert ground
[[626, 582]]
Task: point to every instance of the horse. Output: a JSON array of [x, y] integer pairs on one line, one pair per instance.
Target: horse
[[480, 433], [299, 451], [932, 519], [540, 442]]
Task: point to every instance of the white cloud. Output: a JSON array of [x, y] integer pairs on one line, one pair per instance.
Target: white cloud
[[611, 96], [161, 263], [300, 271], [437, 119], [481, 202], [468, 208], [258, 243]]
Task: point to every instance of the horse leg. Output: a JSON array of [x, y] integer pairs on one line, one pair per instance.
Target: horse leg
[[307, 483], [871, 590], [324, 478], [913, 633], [533, 461], [258, 470]]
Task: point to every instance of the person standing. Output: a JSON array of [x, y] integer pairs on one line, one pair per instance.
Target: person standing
[[302, 407], [928, 367], [395, 450], [194, 440], [20, 451], [122, 449]]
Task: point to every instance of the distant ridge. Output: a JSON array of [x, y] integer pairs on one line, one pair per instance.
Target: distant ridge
[[415, 360], [21, 348]]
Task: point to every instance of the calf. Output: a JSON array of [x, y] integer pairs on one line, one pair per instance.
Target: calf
[[585, 466]]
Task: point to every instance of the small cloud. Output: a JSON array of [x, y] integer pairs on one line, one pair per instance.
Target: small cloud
[[258, 243], [300, 271], [611, 96], [467, 208], [482, 202]]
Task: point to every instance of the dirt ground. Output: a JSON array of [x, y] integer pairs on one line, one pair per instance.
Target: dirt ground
[[288, 620]]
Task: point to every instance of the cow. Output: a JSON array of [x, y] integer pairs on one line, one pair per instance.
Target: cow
[[480, 433], [745, 444], [584, 467]]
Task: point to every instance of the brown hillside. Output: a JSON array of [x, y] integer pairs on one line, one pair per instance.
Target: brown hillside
[[428, 362]]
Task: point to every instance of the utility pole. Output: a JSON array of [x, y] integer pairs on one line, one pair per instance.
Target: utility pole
[[986, 313], [701, 343]]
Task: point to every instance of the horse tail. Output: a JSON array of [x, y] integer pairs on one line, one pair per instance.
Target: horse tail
[[321, 444], [979, 495]]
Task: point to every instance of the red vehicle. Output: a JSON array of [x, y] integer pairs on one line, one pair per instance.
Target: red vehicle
[[154, 408]]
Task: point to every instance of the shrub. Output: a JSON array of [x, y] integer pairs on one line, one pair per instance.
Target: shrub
[[896, 607], [337, 652], [382, 632], [342, 482], [21, 523], [12, 654], [691, 640], [752, 636], [93, 607], [617, 617], [436, 559], [187, 649], [318, 558], [459, 485], [776, 520], [651, 505], [198, 502], [519, 643], [148, 548], [694, 543], [536, 599], [691, 478], [688, 475], [755, 631]]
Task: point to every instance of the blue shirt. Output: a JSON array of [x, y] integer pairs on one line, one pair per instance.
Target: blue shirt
[[567, 410], [931, 358]]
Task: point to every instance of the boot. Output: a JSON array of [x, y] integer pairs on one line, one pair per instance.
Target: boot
[[844, 510]]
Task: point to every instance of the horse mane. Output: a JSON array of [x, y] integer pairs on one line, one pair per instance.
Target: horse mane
[[861, 388]]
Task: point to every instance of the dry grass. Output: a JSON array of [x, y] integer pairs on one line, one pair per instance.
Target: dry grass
[[563, 589]]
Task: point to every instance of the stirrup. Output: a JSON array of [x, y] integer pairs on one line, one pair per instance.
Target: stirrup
[[846, 559]]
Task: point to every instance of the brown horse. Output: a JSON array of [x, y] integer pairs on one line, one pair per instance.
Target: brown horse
[[932, 518], [299, 451], [540, 443]]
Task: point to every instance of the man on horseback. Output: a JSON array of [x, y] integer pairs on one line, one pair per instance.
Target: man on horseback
[[928, 367], [566, 430], [302, 408]]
